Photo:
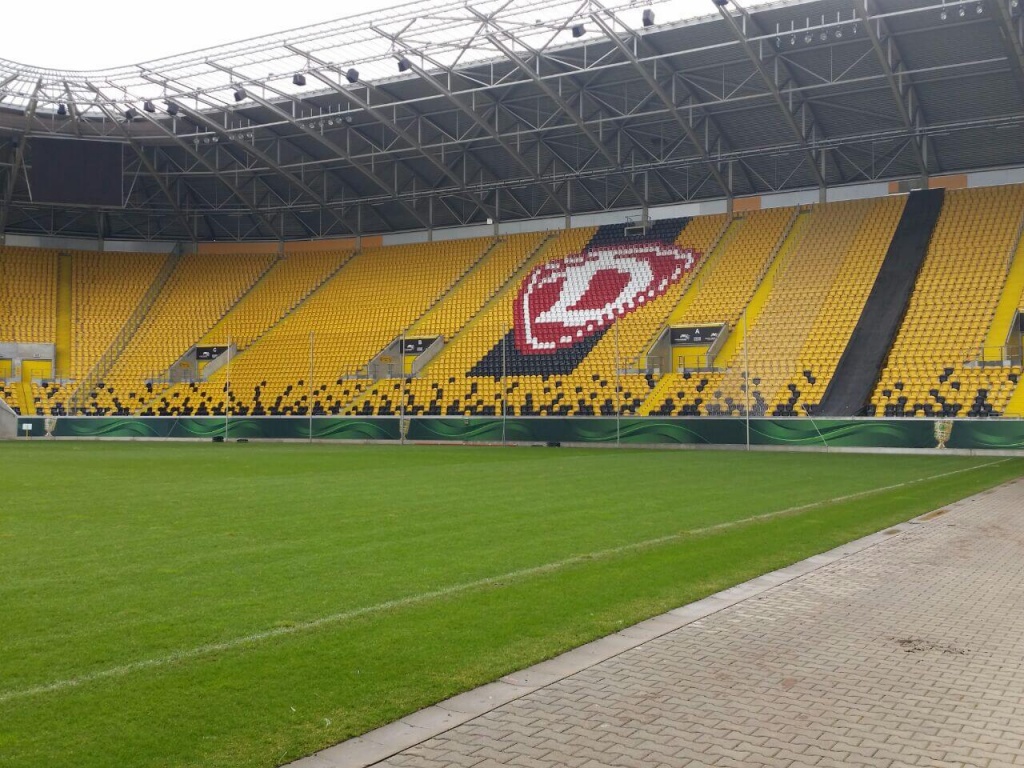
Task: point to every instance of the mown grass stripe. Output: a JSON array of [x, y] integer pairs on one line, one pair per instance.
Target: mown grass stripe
[[423, 597]]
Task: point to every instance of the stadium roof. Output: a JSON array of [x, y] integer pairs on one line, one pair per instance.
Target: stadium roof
[[515, 109]]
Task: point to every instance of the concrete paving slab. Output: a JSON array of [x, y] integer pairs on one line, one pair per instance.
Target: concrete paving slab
[[900, 649]]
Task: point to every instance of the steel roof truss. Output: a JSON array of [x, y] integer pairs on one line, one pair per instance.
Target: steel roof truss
[[666, 99], [901, 85], [771, 80], [19, 159], [378, 114], [1012, 34], [563, 106], [484, 125], [329, 144], [217, 173]]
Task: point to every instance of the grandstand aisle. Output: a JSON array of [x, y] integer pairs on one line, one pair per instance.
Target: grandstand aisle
[[933, 367]]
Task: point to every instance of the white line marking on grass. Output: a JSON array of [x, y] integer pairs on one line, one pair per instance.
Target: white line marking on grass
[[402, 602]]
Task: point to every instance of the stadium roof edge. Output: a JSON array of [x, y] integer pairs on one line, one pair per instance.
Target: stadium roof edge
[[507, 117]]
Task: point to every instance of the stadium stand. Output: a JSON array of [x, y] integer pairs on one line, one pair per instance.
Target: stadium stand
[[803, 277], [197, 294], [9, 395], [444, 387], [862, 359], [933, 367], [317, 355], [106, 288], [28, 295], [725, 287]]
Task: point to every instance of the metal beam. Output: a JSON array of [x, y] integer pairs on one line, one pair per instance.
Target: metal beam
[[562, 105], [666, 99], [452, 98], [336, 149], [19, 158], [1011, 40], [262, 157], [151, 170], [391, 125], [773, 87], [332, 146], [908, 104], [257, 214]]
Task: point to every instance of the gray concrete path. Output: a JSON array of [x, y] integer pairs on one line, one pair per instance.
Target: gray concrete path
[[905, 648]]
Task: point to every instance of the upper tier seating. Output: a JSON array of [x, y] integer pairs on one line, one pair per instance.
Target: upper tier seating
[[28, 295], [928, 370]]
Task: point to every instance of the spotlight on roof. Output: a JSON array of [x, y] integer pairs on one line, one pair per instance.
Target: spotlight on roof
[[839, 34], [352, 75], [348, 119], [149, 106], [808, 37], [239, 93], [298, 79], [62, 109], [130, 113], [978, 9], [172, 108], [720, 3], [943, 14], [648, 18], [404, 65], [579, 30], [963, 11]]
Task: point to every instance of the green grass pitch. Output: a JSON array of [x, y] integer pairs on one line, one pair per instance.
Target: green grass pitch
[[244, 605]]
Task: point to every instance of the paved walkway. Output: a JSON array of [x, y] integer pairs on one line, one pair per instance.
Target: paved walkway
[[902, 649]]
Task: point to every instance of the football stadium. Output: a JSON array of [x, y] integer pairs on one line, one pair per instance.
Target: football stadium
[[346, 374]]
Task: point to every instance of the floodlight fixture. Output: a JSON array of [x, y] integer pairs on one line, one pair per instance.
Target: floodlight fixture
[[172, 108], [352, 75], [579, 30], [239, 93], [648, 18], [404, 65], [130, 114], [62, 109], [298, 79], [720, 3], [149, 106]]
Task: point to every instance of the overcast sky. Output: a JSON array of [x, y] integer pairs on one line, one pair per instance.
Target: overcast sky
[[61, 34]]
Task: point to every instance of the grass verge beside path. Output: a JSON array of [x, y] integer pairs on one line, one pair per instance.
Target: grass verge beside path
[[453, 566]]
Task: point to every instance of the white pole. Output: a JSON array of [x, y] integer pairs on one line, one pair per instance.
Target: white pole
[[310, 386], [227, 389], [746, 372], [401, 392], [504, 388], [618, 389]]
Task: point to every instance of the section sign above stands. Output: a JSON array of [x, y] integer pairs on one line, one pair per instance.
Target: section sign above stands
[[417, 346], [695, 335], [210, 353]]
